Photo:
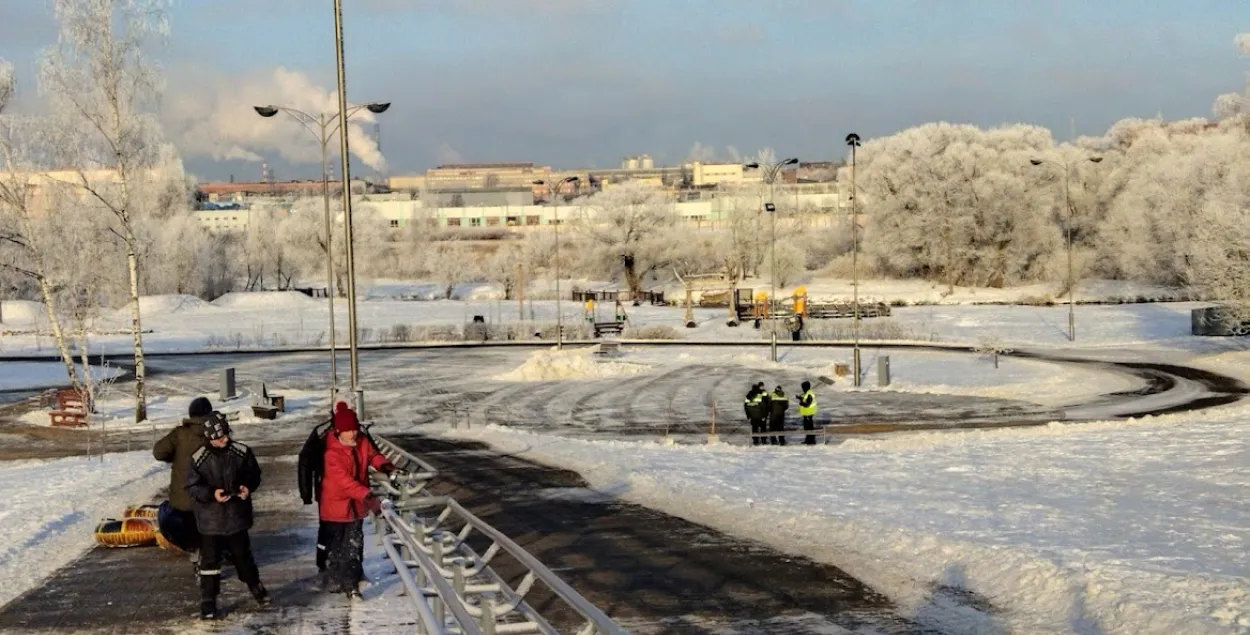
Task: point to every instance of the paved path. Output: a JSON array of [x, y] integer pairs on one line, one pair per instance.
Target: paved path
[[151, 591], [655, 573]]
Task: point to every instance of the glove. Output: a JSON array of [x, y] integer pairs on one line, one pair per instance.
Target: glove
[[387, 468], [397, 475], [373, 504]]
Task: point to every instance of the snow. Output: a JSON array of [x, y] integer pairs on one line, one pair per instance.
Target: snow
[[40, 375], [1065, 528], [22, 312], [115, 412], [51, 508], [163, 305], [571, 363], [265, 301]]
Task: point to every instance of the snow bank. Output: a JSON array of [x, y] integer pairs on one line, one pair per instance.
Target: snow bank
[[164, 304], [265, 300], [51, 508], [22, 313], [549, 365], [1060, 529]]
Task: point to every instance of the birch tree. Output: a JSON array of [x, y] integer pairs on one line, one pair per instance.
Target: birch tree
[[102, 90], [23, 233]]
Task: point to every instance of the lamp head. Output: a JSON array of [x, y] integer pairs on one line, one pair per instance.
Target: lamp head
[[265, 111], [1036, 161], [852, 139], [790, 161], [377, 108], [1095, 159], [572, 179], [752, 165], [540, 182]]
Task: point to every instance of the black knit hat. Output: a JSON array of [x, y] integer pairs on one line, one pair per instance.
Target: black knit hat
[[216, 426], [200, 407]]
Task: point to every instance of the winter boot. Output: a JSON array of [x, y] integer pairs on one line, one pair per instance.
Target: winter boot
[[260, 593], [354, 594], [208, 609]]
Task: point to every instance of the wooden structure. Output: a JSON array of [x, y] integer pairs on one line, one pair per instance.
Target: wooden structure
[[617, 295], [268, 406], [73, 408]]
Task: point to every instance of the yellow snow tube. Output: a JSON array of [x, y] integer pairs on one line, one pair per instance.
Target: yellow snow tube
[[141, 511], [130, 532], [163, 543]]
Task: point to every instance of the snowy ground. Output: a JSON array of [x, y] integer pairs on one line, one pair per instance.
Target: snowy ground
[[51, 508], [1064, 529], [388, 314]]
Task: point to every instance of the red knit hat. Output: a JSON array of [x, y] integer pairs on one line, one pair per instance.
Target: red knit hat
[[344, 418]]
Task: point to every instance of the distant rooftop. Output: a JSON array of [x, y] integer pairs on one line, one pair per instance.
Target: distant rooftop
[[470, 166]]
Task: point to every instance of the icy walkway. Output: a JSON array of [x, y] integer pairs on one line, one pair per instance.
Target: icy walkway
[[149, 591]]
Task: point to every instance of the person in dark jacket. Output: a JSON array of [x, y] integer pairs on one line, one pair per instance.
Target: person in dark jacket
[[752, 406], [221, 480], [346, 498], [175, 518], [311, 470], [778, 402]]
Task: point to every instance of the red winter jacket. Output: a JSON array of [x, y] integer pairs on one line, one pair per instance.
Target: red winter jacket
[[345, 485]]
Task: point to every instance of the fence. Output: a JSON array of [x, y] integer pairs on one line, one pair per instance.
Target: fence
[[452, 588]]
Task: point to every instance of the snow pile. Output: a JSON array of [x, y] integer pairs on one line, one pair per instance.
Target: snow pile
[[1059, 529], [163, 305], [550, 365], [22, 312], [51, 508], [265, 300]]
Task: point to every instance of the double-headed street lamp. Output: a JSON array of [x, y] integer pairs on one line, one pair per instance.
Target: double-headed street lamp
[[769, 176], [1067, 200], [323, 127], [852, 140], [555, 189]]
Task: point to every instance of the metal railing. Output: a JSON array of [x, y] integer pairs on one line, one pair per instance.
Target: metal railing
[[452, 587]]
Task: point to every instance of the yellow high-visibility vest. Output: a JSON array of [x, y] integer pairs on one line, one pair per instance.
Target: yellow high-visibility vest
[[807, 411]]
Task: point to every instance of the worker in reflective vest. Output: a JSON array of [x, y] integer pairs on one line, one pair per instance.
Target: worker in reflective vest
[[777, 405], [807, 410]]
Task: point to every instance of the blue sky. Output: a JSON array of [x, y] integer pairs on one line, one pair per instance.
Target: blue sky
[[585, 82]]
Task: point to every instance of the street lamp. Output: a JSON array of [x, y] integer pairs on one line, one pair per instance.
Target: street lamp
[[852, 140], [1067, 199], [771, 171], [323, 127], [555, 189]]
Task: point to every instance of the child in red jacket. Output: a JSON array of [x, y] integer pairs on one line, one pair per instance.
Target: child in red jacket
[[346, 499]]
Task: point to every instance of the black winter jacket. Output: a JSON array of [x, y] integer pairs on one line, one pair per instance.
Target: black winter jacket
[[226, 469], [312, 463], [177, 448], [777, 405], [312, 455]]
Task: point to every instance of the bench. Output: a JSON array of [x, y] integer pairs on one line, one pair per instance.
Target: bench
[[615, 328], [72, 409]]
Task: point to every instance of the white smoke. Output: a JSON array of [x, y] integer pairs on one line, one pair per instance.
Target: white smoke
[[215, 119], [1243, 43]]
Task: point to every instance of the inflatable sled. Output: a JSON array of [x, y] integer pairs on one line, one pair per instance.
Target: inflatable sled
[[128, 532]]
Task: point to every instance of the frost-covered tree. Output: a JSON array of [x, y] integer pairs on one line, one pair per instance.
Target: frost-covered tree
[[27, 238], [1230, 105], [102, 91], [629, 226], [956, 203]]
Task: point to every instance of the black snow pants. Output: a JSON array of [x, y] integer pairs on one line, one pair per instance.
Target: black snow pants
[[758, 426], [323, 543], [777, 424], [345, 553], [239, 547], [809, 424]]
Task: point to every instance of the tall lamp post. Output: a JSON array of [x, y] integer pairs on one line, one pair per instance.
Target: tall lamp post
[[852, 140], [323, 127], [555, 189], [1067, 201], [770, 173]]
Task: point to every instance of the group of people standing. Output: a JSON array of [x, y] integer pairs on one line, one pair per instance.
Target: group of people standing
[[766, 412], [214, 479]]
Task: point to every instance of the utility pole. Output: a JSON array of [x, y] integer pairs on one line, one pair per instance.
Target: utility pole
[[853, 141]]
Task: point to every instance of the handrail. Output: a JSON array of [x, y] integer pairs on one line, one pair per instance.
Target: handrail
[[446, 575]]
